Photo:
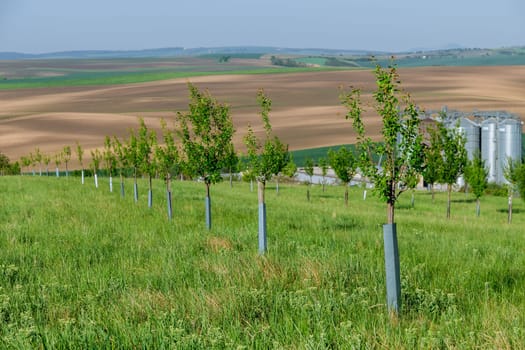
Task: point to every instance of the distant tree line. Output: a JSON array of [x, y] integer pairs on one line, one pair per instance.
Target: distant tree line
[[286, 62], [8, 168]]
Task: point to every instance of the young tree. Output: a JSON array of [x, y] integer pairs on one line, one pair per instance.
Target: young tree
[[206, 133], [32, 161], [122, 161], [167, 158], [96, 157], [476, 176], [46, 160], [401, 153], [232, 163], [309, 170], [110, 160], [80, 155], [433, 162], [5, 165], [264, 161], [146, 143], [38, 159], [453, 158], [66, 152], [345, 166], [290, 169], [58, 161], [133, 159], [511, 172], [323, 164], [248, 176], [26, 162]]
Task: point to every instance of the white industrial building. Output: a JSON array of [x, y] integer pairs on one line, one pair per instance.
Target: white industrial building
[[496, 135]]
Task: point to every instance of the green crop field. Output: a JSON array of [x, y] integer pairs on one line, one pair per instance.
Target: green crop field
[[84, 268], [25, 74]]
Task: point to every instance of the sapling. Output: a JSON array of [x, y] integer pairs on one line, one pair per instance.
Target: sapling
[[167, 158], [67, 157], [46, 160], [133, 159], [309, 170], [26, 162], [511, 172], [264, 161], [109, 160], [290, 169], [232, 163], [80, 154], [32, 162], [323, 164], [58, 161], [96, 157], [344, 164], [433, 161], [146, 143], [206, 133], [122, 161], [453, 158], [38, 159], [401, 149], [476, 175]]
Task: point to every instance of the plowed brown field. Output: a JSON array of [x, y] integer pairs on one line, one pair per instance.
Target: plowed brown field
[[306, 110]]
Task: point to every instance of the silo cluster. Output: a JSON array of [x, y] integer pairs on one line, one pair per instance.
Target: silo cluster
[[497, 136]]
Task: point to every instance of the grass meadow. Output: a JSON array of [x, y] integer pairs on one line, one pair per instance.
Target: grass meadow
[[84, 268]]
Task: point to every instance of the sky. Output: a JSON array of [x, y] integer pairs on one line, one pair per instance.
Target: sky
[[38, 26]]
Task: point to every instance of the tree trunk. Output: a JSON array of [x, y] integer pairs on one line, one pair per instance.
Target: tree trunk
[[262, 217], [346, 195], [449, 189], [412, 200], [231, 178], [208, 207], [432, 189], [390, 212], [308, 193], [82, 177], [324, 181], [251, 185], [477, 207], [67, 172], [110, 183], [510, 209], [277, 185]]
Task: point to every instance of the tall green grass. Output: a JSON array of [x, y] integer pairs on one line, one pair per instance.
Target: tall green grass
[[84, 268]]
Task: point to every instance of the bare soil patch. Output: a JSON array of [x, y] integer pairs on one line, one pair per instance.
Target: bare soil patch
[[306, 109]]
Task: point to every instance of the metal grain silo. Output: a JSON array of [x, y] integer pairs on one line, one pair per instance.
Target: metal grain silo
[[509, 143], [489, 147], [472, 133]]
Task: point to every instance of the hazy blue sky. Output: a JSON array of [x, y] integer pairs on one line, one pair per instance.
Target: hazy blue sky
[[56, 25]]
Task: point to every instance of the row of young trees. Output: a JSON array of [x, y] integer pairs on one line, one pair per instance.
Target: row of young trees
[[199, 146], [205, 137], [41, 159]]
